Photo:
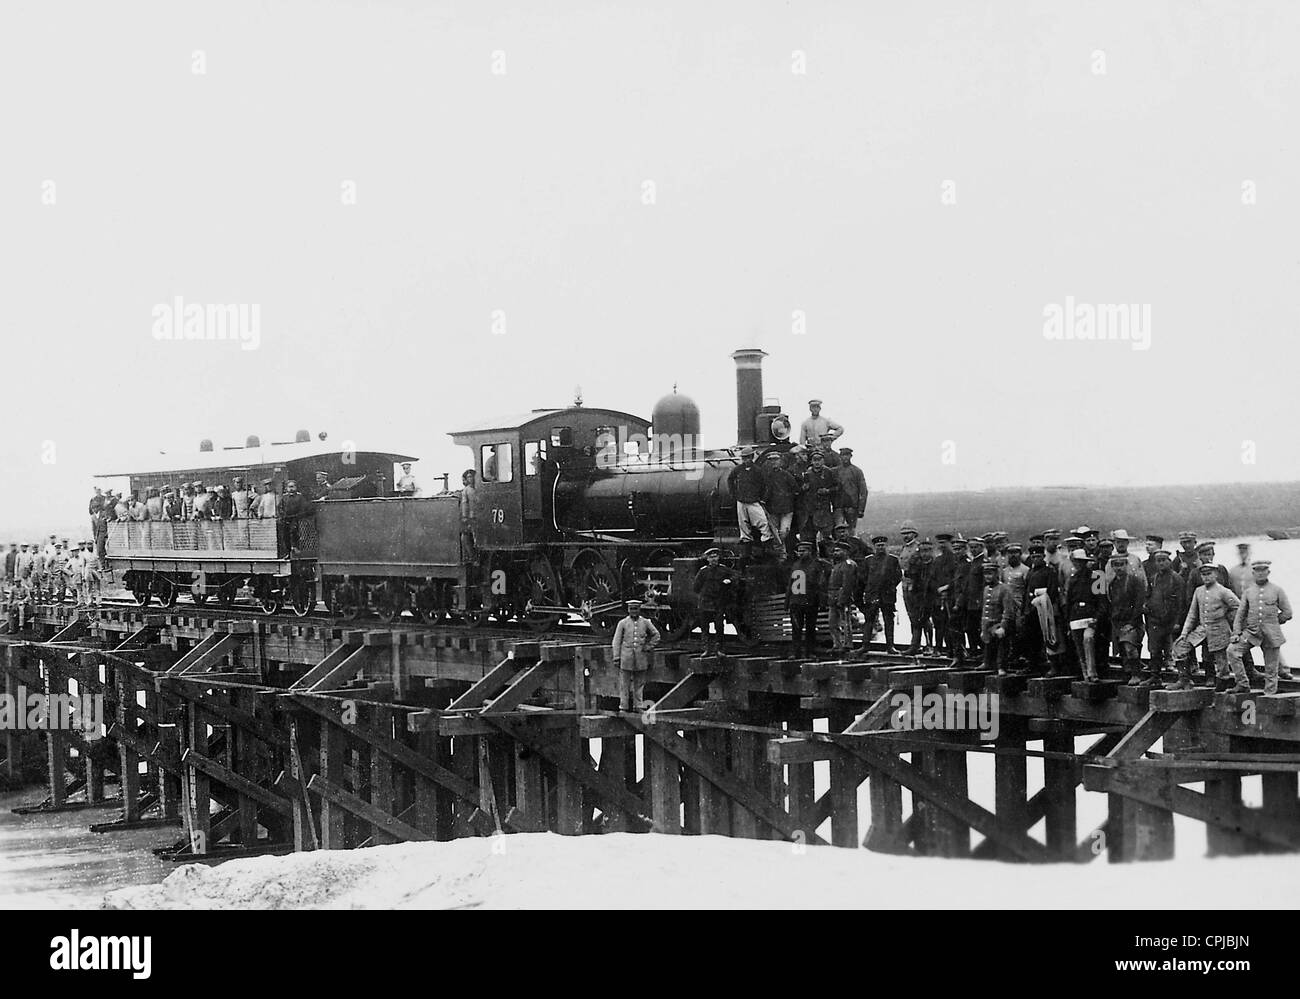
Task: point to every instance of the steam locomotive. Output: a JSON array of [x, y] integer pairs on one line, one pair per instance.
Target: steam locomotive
[[577, 510]]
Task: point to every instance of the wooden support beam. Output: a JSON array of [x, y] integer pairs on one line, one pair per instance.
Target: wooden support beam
[[365, 811], [491, 684], [523, 686], [238, 784], [213, 648]]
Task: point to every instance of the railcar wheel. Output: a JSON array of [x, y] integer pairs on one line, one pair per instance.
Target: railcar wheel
[[302, 597], [475, 618], [270, 602], [226, 593], [199, 599], [390, 601], [426, 605], [165, 590], [344, 601], [142, 590]]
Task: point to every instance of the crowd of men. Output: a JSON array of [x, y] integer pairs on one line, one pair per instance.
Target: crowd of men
[[1058, 606], [55, 571], [1055, 607]]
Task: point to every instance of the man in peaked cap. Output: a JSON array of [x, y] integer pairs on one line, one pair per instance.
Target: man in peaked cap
[[1154, 543], [805, 592], [841, 589], [1125, 601], [815, 431], [1185, 558], [923, 592], [634, 639], [1209, 624], [945, 559], [747, 483], [1083, 607], [1041, 636], [714, 585], [996, 612], [1164, 610], [1264, 609]]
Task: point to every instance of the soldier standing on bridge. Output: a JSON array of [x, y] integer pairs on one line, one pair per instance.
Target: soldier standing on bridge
[[634, 639], [1041, 635], [1264, 609], [883, 573], [1165, 609], [923, 585], [1154, 544], [1125, 602], [997, 610], [841, 587], [1209, 623], [713, 588], [804, 594]]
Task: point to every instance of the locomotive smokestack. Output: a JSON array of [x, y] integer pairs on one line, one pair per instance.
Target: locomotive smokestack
[[749, 391]]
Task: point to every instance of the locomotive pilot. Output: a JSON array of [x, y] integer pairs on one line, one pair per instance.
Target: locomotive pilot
[[634, 640]]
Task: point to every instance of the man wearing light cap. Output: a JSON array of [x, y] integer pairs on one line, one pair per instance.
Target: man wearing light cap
[[634, 639], [1120, 539], [1209, 624], [1264, 609], [748, 485], [818, 431]]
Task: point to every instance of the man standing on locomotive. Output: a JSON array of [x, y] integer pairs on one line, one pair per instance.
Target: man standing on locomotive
[[406, 484], [818, 431], [468, 516], [634, 640], [748, 485]]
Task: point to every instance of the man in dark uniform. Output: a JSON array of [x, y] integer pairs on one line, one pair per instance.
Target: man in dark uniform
[[1125, 604], [956, 601], [1165, 610], [1185, 558], [851, 500], [713, 587], [1041, 643], [924, 588], [782, 491], [1154, 544], [841, 588], [747, 483], [944, 560], [880, 593], [805, 592], [974, 586], [820, 487], [1083, 606]]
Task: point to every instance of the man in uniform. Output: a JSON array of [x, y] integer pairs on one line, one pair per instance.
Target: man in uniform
[[921, 582], [1125, 604], [1241, 575], [883, 573], [956, 601], [187, 502], [817, 430], [56, 569], [1041, 634], [1264, 609], [1209, 623], [11, 563], [1205, 556], [748, 485], [91, 577], [973, 586], [779, 501], [841, 587], [296, 508], [406, 484], [1154, 544], [153, 504], [634, 640], [713, 587], [1165, 610], [1084, 606], [820, 488], [804, 593], [1185, 558], [851, 500], [944, 561], [1016, 575], [96, 505], [203, 498], [997, 609]]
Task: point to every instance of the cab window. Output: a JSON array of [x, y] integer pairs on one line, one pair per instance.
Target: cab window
[[495, 463], [534, 455], [561, 437]]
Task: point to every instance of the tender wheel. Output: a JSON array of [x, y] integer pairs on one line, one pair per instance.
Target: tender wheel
[[270, 599], [302, 597], [426, 605], [345, 602], [390, 601], [227, 592], [475, 618]]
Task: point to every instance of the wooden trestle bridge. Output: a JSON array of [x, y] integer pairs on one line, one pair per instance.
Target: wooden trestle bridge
[[256, 735]]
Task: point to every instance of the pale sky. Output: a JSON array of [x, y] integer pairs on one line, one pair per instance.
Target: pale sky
[[1141, 153]]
